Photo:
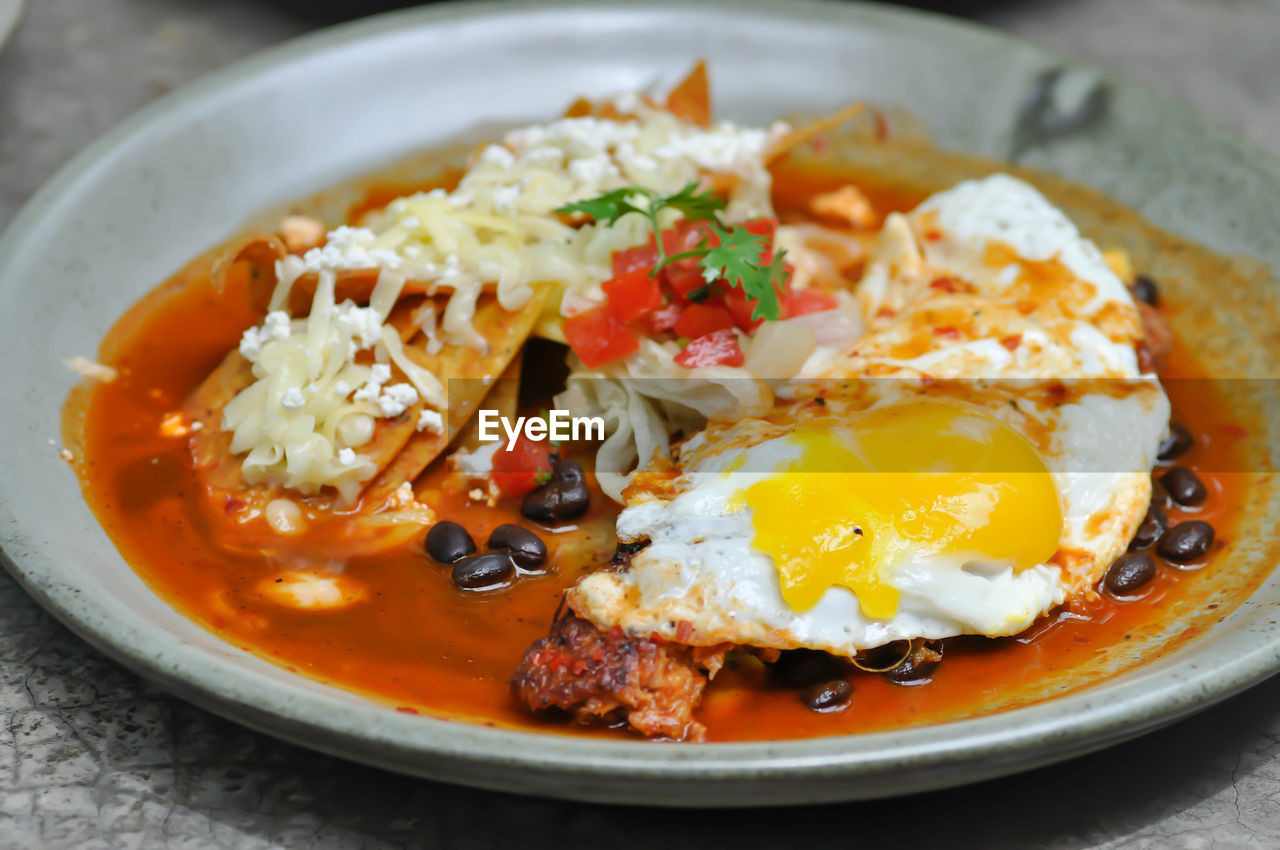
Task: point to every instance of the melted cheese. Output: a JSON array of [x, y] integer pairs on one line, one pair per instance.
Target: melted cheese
[[311, 404], [499, 225]]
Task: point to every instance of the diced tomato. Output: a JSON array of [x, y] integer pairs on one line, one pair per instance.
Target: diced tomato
[[683, 277], [663, 319], [525, 467], [598, 337], [631, 259], [633, 294], [685, 236], [718, 348], [809, 301], [741, 308], [701, 319], [766, 227]]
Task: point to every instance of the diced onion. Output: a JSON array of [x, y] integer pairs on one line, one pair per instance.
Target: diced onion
[[779, 349]]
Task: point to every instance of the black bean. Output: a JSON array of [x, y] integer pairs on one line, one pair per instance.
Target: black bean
[[828, 696], [625, 551], [1129, 572], [483, 570], [799, 668], [1184, 487], [880, 659], [1145, 290], [1176, 442], [522, 545], [630, 547], [564, 497], [1159, 495], [448, 542], [1185, 542], [919, 665], [1151, 529]]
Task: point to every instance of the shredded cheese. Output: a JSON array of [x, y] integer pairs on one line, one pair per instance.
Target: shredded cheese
[[312, 404], [499, 225]]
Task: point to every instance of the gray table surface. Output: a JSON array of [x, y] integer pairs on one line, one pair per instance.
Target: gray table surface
[[91, 757]]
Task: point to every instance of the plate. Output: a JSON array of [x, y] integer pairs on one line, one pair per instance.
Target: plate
[[188, 170], [10, 14]]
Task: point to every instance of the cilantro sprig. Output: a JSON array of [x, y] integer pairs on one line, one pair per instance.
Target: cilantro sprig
[[735, 258]]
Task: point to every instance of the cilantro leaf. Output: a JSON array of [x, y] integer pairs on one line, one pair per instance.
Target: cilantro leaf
[[611, 206], [692, 204], [737, 260]]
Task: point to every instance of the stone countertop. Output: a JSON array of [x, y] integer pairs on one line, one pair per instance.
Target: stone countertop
[[91, 757]]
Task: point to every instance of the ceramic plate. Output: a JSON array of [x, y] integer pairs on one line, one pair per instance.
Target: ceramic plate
[[187, 171], [10, 14]]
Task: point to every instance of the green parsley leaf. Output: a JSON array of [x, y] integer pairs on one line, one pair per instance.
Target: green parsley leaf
[[692, 204], [737, 260], [611, 206]]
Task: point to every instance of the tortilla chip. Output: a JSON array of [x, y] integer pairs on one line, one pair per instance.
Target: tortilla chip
[[464, 370], [690, 100], [802, 135], [503, 398], [397, 449]]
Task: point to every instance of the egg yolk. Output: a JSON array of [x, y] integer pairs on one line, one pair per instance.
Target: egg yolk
[[916, 479]]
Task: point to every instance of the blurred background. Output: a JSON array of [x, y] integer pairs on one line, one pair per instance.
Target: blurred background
[[73, 68]]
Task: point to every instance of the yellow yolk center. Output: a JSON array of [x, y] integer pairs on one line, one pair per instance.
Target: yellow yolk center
[[917, 479]]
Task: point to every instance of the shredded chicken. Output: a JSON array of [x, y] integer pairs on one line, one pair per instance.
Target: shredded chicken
[[651, 684], [301, 233]]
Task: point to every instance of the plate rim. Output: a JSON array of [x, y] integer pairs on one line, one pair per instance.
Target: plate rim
[[11, 12], [453, 750]]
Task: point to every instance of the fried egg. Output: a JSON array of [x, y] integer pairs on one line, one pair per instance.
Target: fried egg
[[997, 473]]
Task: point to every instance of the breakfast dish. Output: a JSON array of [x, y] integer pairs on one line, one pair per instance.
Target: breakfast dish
[[824, 437]]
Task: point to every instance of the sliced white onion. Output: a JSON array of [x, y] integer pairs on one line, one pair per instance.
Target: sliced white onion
[[779, 349]]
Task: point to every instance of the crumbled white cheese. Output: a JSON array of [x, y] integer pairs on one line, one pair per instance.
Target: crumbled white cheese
[[479, 463], [430, 421], [91, 369], [292, 399], [275, 326], [396, 399]]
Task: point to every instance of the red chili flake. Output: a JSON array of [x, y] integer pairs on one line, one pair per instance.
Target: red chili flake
[[932, 235], [232, 505], [597, 654], [885, 313], [657, 638], [404, 709], [882, 125], [944, 284], [684, 631], [1234, 431], [1012, 342], [947, 331]]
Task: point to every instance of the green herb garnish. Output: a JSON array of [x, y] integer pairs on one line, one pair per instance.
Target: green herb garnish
[[736, 259]]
